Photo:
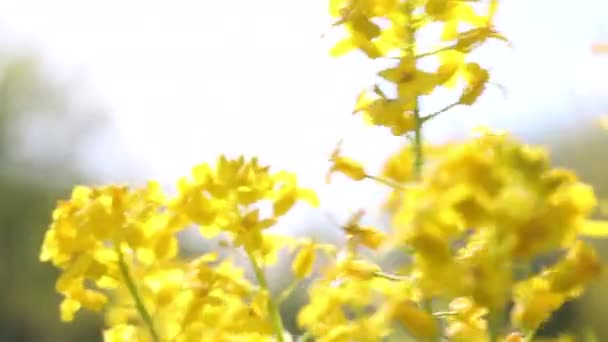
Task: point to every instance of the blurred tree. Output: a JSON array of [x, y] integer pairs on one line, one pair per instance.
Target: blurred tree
[[42, 127], [584, 150]]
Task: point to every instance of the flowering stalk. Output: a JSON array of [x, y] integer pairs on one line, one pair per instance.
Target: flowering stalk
[[494, 325], [418, 121], [139, 304], [418, 161], [393, 185], [442, 110], [275, 314]]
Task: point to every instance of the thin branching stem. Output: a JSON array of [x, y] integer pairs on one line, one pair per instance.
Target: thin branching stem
[[275, 314], [418, 158], [445, 313], [494, 324], [387, 182], [305, 337], [418, 154], [434, 52], [439, 112], [392, 277], [530, 336], [288, 291], [133, 291]]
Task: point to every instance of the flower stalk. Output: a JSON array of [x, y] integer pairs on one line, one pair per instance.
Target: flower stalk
[[273, 308], [135, 295]]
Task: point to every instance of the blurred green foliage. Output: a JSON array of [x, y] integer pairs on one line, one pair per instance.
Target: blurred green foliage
[[41, 128], [585, 149]]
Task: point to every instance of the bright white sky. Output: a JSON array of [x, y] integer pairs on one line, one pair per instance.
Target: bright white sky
[[188, 79]]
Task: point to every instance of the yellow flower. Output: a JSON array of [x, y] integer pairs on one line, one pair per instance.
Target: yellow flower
[[226, 199], [452, 13], [370, 237], [287, 194], [399, 166], [490, 265], [125, 333], [396, 114], [304, 261], [87, 231], [580, 266], [418, 322], [362, 32], [476, 78], [358, 269], [164, 284], [410, 81], [346, 166], [534, 303], [538, 297], [343, 308], [357, 235], [466, 321], [450, 67], [473, 38]]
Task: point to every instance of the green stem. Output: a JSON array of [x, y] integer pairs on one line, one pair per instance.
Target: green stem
[[410, 51], [305, 337], [386, 182], [434, 52], [139, 304], [418, 154], [444, 109], [530, 336], [275, 315], [388, 276], [494, 325], [445, 313], [288, 291]]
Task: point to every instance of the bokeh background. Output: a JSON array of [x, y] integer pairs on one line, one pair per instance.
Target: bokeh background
[[123, 91]]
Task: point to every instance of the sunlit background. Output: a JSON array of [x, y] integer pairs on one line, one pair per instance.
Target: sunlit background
[[123, 91]]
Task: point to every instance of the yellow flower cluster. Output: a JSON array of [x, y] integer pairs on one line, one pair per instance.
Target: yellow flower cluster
[[487, 206], [480, 214], [469, 220], [388, 29], [91, 233], [104, 239], [475, 215]]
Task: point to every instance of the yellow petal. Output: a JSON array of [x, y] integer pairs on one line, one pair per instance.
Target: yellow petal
[[309, 196], [363, 101], [284, 202], [336, 6], [365, 27], [342, 47], [304, 261], [595, 228], [68, 308]]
